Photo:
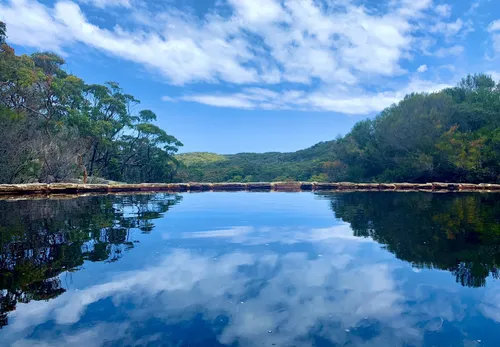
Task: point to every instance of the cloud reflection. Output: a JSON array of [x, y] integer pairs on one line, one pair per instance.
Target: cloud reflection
[[266, 297]]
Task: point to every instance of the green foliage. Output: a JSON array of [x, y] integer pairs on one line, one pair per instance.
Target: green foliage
[[452, 135], [57, 128]]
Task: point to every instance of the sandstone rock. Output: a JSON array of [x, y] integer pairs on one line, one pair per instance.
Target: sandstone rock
[[368, 186], [286, 186], [489, 186], [325, 186], [347, 186], [176, 187], [124, 187], [468, 186], [259, 186], [229, 186], [306, 186], [387, 186], [31, 188], [200, 187], [92, 187], [62, 188]]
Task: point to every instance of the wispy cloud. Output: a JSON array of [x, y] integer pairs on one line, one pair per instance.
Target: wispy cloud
[[443, 10], [315, 55], [108, 3], [325, 99], [447, 51]]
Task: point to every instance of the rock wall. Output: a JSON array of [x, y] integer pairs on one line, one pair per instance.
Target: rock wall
[[72, 188]]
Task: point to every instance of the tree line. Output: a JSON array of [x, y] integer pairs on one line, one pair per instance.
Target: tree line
[[451, 136], [55, 127]]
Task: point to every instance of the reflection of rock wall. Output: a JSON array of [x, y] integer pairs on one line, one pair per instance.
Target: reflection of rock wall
[[72, 188]]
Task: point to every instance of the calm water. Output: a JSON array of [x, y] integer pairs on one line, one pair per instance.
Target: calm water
[[251, 269]]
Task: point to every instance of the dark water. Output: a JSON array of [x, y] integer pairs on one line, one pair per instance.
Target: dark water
[[251, 269]]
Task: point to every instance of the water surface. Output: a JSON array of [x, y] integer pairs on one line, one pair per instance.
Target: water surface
[[251, 269]]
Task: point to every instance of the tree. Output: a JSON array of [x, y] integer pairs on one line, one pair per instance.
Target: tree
[[3, 32], [56, 128]]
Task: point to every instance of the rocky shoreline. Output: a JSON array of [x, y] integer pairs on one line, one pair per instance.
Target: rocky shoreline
[[73, 188]]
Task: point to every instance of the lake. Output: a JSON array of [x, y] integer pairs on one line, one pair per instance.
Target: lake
[[251, 269]]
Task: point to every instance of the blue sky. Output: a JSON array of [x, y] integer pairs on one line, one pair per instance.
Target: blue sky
[[233, 76]]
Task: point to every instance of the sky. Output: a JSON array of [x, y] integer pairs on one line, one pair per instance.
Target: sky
[[231, 76]]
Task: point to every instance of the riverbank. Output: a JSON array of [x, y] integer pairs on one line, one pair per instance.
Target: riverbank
[[72, 188]]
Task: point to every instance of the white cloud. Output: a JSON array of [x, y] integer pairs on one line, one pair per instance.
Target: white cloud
[[333, 100], [494, 26], [422, 68], [494, 74], [448, 28], [494, 30], [302, 40], [447, 51], [108, 3], [443, 10], [335, 52], [168, 99], [29, 23], [234, 101]]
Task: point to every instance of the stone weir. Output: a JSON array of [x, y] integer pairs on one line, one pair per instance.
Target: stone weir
[[72, 188]]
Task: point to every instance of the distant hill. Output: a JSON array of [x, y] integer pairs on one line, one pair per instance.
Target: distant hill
[[306, 164], [449, 136], [200, 158]]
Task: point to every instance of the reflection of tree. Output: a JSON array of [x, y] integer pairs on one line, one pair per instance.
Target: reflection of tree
[[40, 239], [455, 232]]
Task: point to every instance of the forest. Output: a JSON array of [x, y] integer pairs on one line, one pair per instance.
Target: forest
[[56, 128], [449, 136]]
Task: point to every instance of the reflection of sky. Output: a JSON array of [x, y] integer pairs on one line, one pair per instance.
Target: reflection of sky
[[258, 270]]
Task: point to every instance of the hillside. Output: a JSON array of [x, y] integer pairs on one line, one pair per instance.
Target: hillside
[[199, 158], [302, 165], [450, 136]]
